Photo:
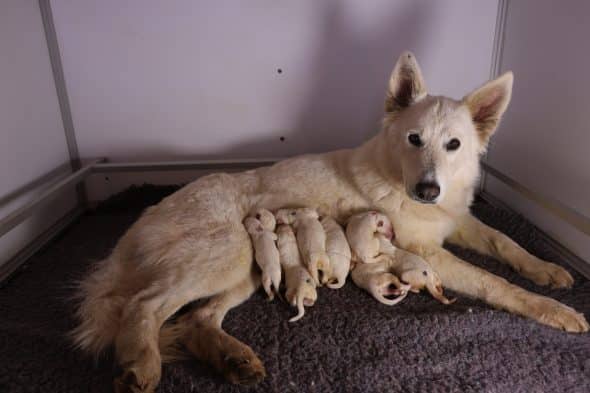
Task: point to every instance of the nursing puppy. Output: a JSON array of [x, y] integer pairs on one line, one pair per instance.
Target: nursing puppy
[[379, 282], [420, 170], [411, 269], [362, 233], [415, 271], [311, 239], [338, 251], [261, 228], [300, 285]]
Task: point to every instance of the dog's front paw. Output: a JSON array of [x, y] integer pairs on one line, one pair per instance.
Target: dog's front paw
[[555, 314], [547, 273]]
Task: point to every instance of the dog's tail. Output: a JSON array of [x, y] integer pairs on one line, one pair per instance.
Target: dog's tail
[[99, 310]]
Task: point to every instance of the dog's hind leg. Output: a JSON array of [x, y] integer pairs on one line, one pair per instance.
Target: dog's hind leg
[[198, 276], [470, 280], [136, 346], [472, 233], [206, 340]]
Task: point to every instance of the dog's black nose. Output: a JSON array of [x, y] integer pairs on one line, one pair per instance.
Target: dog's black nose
[[427, 191]]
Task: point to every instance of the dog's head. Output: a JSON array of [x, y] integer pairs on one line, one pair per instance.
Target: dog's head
[[437, 141]]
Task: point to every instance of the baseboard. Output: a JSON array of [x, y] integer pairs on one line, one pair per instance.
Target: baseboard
[[10, 266], [577, 263]]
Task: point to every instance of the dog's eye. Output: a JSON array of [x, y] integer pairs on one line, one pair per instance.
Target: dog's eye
[[258, 216], [380, 224], [415, 140], [292, 213], [453, 144]]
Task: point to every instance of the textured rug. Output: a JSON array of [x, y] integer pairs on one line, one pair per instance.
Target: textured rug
[[347, 342]]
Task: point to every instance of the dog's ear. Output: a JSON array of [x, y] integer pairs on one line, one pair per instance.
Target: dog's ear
[[488, 103], [406, 84]]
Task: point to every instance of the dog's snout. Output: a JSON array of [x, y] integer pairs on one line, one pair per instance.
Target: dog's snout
[[427, 191]]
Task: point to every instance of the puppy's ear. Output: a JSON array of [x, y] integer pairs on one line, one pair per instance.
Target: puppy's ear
[[487, 104], [406, 84]]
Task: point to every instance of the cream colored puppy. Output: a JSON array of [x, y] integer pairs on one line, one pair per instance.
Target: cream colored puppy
[[379, 282], [261, 228], [411, 269], [300, 285], [362, 230], [338, 251], [311, 239], [415, 271]]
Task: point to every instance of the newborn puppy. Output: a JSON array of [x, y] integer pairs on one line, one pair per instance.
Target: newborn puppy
[[261, 226], [300, 285], [414, 270], [411, 269], [338, 251], [311, 239], [375, 279], [362, 230]]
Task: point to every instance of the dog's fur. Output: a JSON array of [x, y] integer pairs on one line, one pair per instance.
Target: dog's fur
[[193, 245]]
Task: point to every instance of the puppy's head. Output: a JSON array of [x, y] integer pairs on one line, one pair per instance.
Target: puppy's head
[[382, 224], [266, 218], [285, 216], [253, 226], [436, 141], [284, 230], [307, 212]]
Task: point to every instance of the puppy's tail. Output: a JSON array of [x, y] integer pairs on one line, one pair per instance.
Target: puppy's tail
[[99, 310], [300, 309]]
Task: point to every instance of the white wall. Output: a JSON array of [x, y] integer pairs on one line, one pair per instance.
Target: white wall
[[543, 141], [32, 140], [152, 79]]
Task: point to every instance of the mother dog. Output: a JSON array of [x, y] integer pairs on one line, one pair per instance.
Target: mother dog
[[421, 170]]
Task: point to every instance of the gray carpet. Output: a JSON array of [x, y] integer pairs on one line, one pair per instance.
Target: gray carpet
[[347, 342]]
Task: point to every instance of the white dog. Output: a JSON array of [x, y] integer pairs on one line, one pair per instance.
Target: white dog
[[420, 170]]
